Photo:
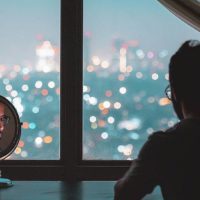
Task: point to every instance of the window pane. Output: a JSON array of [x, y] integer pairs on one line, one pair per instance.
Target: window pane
[[127, 46], [29, 71]]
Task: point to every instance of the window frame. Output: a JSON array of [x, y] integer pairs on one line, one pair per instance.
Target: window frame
[[70, 166]]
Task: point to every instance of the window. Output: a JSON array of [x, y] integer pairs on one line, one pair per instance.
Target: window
[[126, 50], [30, 73], [71, 164]]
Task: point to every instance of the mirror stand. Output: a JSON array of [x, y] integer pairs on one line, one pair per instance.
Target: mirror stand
[[5, 183]]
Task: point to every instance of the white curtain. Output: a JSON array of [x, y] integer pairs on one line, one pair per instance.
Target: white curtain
[[187, 10]]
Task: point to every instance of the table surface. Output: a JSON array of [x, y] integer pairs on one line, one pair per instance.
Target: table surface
[[59, 190]]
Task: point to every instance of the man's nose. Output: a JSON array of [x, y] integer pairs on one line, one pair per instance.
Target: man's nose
[[1, 127]]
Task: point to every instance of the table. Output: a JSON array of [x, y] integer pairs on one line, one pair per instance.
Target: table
[[60, 190]]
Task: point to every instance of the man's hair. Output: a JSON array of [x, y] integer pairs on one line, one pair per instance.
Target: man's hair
[[184, 74]]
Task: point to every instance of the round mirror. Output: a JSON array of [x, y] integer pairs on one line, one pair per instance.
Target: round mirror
[[10, 132], [10, 128]]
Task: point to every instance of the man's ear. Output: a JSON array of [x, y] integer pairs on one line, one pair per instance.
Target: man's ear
[[174, 94], [177, 105]]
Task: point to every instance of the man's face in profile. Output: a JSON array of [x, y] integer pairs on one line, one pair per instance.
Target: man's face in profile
[[2, 114]]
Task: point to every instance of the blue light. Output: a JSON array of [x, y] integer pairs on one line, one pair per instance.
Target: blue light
[[32, 125]]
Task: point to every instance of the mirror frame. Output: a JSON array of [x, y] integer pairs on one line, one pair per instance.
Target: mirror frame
[[18, 124]]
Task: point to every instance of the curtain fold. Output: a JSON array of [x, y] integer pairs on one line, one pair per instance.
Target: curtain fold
[[187, 10]]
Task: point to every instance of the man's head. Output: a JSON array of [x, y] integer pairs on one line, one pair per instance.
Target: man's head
[[184, 77]]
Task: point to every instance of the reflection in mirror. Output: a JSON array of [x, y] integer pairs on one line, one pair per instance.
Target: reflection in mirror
[[10, 131]]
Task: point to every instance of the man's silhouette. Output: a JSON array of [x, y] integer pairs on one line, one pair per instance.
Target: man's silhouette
[[171, 158]]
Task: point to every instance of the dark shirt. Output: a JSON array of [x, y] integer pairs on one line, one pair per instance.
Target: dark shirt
[[170, 159]]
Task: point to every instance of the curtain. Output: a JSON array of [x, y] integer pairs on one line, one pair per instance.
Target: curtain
[[187, 10]]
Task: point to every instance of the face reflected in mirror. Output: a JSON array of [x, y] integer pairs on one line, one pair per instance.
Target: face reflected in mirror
[[3, 119]]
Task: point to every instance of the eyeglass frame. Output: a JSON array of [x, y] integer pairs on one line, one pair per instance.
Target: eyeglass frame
[[4, 119], [167, 90]]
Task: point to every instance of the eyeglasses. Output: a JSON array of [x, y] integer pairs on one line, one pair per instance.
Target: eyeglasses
[[4, 119], [168, 92]]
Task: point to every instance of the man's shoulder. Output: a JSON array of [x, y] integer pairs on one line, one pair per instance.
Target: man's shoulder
[[164, 134]]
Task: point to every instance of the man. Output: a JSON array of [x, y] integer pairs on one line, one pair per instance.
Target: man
[[3, 119], [171, 158]]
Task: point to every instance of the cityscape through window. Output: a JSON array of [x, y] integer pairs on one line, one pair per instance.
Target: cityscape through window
[[30, 73], [127, 45]]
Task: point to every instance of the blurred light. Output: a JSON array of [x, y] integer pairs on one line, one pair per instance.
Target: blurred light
[[122, 60], [18, 150], [19, 108], [51, 84], [90, 68], [150, 54], [45, 50], [6, 81], [8, 87], [38, 142], [130, 125], [9, 99], [35, 109], [150, 131], [134, 136], [86, 97], [25, 70], [163, 53], [129, 68], [139, 75], [25, 125], [93, 119], [21, 144], [151, 99], [122, 90], [167, 76], [38, 84], [48, 139], [94, 125], [125, 149], [17, 100], [32, 125], [25, 87], [128, 150], [14, 93], [111, 120], [44, 92], [105, 64], [17, 68], [86, 89], [58, 91], [155, 76], [170, 123], [140, 53], [96, 60], [121, 77], [13, 74], [24, 154], [164, 101], [101, 123], [105, 111], [117, 105], [49, 98], [108, 93], [120, 148], [41, 134], [106, 104], [93, 101], [123, 51], [104, 135]]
